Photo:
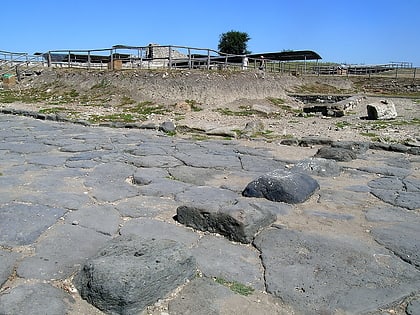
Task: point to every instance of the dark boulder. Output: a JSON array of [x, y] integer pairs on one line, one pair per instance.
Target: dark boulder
[[338, 154], [239, 221], [130, 273], [283, 186]]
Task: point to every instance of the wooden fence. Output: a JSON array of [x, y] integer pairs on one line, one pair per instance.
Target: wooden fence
[[121, 57]]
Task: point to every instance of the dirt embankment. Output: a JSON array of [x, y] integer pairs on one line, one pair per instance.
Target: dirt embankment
[[205, 100]]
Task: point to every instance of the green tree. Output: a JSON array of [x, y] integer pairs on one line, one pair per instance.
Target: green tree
[[234, 42]]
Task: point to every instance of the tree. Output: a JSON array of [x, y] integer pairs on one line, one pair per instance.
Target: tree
[[234, 42]]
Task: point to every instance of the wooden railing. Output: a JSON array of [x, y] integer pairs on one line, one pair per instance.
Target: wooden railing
[[121, 57]]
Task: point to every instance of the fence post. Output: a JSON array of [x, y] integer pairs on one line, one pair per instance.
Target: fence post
[[88, 59], [49, 59], [189, 58], [69, 60], [208, 59], [170, 57]]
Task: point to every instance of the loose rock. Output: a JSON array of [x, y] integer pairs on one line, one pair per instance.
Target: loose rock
[[384, 109], [130, 273], [283, 186]]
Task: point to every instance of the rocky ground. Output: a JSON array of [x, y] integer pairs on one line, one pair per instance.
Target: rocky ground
[[75, 196], [221, 103]]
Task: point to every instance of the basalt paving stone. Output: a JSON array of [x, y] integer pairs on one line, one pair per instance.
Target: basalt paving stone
[[103, 219], [81, 164], [66, 200], [163, 188], [413, 308], [36, 298], [259, 164], [146, 206], [209, 160], [108, 182], [22, 224], [194, 175], [205, 296], [325, 275], [343, 198], [27, 147], [145, 176], [218, 257], [46, 160], [402, 238], [60, 252], [386, 170], [207, 195], [7, 263], [390, 214], [405, 199], [148, 228], [330, 215]]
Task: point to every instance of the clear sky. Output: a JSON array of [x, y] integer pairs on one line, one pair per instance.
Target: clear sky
[[344, 31]]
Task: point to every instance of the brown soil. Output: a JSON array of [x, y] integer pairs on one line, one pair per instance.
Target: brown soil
[[205, 100]]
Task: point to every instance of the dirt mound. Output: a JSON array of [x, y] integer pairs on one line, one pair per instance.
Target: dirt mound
[[225, 101]]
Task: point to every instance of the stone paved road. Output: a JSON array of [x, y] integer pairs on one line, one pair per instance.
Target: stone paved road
[[67, 189]]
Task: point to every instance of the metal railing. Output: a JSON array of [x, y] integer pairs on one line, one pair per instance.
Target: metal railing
[[19, 64]]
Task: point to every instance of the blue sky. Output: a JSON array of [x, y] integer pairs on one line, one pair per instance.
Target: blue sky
[[348, 31]]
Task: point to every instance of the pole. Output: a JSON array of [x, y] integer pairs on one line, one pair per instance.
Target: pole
[[170, 57]]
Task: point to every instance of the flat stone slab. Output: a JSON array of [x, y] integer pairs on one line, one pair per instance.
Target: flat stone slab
[[103, 219], [37, 298], [413, 307], [207, 297], [130, 273], [60, 253], [318, 167], [159, 230], [398, 192], [318, 274], [283, 186], [22, 224], [239, 221], [402, 238], [218, 257], [7, 263]]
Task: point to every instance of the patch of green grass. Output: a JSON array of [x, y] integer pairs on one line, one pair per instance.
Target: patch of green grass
[[369, 134], [104, 83], [73, 93], [170, 133], [382, 124], [122, 117], [276, 101], [8, 96], [236, 287], [125, 100], [200, 137], [342, 124], [52, 110], [144, 109], [268, 134], [194, 105], [244, 112]]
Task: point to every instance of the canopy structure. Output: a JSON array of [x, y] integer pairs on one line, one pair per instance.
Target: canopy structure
[[288, 55], [297, 55]]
